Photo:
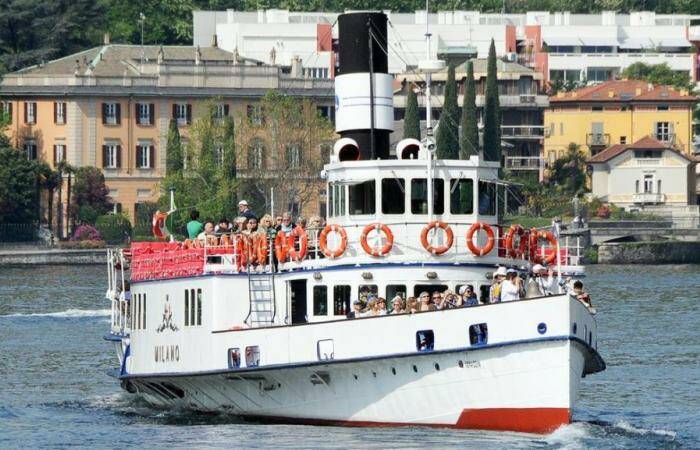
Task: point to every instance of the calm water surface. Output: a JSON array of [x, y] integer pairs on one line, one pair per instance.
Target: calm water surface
[[55, 393]]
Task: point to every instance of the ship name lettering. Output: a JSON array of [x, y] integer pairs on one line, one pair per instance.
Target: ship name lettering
[[167, 353], [472, 364]]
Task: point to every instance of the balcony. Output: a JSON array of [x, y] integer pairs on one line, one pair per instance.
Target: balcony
[[524, 163], [648, 198], [648, 162], [522, 131], [598, 139]]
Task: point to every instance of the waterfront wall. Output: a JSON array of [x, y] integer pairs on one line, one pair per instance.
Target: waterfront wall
[[659, 252], [49, 256]]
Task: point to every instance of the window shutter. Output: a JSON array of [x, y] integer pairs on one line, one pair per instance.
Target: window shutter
[[26, 115], [174, 110], [65, 153], [119, 156], [104, 156], [64, 106], [189, 114], [151, 156], [33, 151], [55, 155], [137, 113], [118, 112], [138, 156], [104, 113], [225, 110], [151, 114], [55, 112], [9, 110]]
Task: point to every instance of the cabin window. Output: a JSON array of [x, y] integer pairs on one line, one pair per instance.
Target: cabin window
[[341, 300], [487, 198], [234, 358], [462, 196], [392, 290], [252, 356], [478, 334], [324, 349], [193, 307], [429, 288], [320, 300], [425, 340], [419, 196], [393, 195], [484, 290], [364, 290], [361, 197]]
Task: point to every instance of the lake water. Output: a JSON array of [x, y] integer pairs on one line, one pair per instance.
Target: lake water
[[55, 392]]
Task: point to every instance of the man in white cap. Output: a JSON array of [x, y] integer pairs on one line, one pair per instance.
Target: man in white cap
[[244, 210], [510, 287], [495, 290], [540, 285]]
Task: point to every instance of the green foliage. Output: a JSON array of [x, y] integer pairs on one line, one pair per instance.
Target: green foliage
[[469, 140], [569, 171], [114, 228], [229, 148], [166, 21], [492, 110], [143, 220], [173, 149], [89, 188], [88, 214], [590, 255], [411, 120], [447, 140], [19, 186], [658, 74]]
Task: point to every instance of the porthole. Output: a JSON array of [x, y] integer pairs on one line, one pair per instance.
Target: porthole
[[542, 328], [374, 374], [415, 369], [437, 366], [460, 363], [354, 376], [393, 370]]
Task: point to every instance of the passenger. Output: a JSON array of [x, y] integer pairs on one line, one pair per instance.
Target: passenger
[[251, 226], [208, 231], [451, 300], [424, 304], [315, 223], [194, 226], [538, 285], [581, 295], [411, 305], [468, 296], [241, 224], [287, 224], [245, 211], [495, 290], [223, 227], [397, 306], [301, 222], [278, 221], [356, 310], [510, 287], [382, 306]]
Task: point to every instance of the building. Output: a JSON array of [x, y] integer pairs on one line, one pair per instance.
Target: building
[[110, 107], [560, 45], [522, 106], [648, 175], [618, 112]]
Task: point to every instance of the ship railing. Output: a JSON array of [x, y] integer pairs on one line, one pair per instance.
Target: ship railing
[[116, 292]]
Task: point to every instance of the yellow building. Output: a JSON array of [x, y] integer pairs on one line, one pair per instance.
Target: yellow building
[[618, 112], [110, 107]]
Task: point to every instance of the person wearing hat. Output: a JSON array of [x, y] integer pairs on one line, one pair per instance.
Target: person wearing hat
[[468, 295], [356, 310], [539, 285], [510, 287], [495, 291], [245, 211]]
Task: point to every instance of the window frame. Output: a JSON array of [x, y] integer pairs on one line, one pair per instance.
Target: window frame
[[370, 210], [455, 188], [112, 158], [110, 113], [30, 113], [144, 114], [318, 301], [439, 193], [400, 183], [342, 296], [60, 113]]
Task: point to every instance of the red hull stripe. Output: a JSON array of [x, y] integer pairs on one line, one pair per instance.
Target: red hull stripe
[[526, 420]]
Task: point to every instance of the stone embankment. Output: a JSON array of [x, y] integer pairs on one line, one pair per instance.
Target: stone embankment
[[652, 252], [22, 257]]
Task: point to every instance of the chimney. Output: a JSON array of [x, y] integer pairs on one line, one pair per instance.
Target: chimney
[[214, 41], [297, 71], [105, 39]]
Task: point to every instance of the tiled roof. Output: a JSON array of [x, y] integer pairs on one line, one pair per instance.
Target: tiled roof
[[623, 90], [645, 143]]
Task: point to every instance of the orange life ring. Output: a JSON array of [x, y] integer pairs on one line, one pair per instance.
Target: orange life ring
[[281, 247], [549, 259], [443, 248], [187, 244], [294, 254], [197, 243], [158, 225], [534, 257], [225, 240], [262, 247], [323, 241], [480, 251], [510, 240], [386, 248], [212, 241], [240, 248]]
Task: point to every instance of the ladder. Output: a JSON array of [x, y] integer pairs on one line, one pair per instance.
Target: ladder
[[261, 292]]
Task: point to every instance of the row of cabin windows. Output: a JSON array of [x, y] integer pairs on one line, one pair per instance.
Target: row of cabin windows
[[457, 195], [193, 307], [252, 357], [138, 312], [342, 295]]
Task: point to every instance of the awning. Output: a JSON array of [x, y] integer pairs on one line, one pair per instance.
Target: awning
[[673, 43], [637, 44], [600, 41], [562, 41]]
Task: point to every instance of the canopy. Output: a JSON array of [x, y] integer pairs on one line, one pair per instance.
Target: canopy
[[637, 44], [563, 41], [600, 41]]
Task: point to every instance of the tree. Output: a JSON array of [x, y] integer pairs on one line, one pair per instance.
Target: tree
[[469, 140], [411, 120], [492, 113], [90, 190], [658, 74], [229, 148], [19, 186], [173, 149], [569, 171], [447, 140]]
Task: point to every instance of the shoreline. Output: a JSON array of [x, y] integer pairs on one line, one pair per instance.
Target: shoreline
[[48, 256]]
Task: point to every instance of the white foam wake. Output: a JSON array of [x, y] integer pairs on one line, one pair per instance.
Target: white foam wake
[[569, 436], [67, 313], [628, 427]]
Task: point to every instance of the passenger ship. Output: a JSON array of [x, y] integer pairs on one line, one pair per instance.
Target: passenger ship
[[205, 329]]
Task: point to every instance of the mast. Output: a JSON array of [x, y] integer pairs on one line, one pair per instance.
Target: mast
[[370, 44]]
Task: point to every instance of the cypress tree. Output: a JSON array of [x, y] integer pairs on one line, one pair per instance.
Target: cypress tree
[[492, 113], [229, 149], [447, 136], [173, 150], [469, 142], [411, 120]]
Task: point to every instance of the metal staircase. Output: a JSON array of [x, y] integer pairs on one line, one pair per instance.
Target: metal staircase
[[261, 292]]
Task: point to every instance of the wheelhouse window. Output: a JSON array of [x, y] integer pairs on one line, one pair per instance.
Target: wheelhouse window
[[393, 195], [336, 200], [59, 113], [341, 300], [487, 198], [462, 196], [361, 197], [419, 196], [320, 300]]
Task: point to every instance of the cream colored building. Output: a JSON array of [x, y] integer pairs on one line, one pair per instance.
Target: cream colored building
[[110, 107]]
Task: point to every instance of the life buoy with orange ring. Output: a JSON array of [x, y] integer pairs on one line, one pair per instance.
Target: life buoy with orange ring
[[323, 241], [197, 243], [298, 233], [225, 240], [158, 225], [443, 248], [553, 242], [187, 244], [510, 241], [262, 247], [239, 249], [386, 248], [212, 241], [534, 257], [281, 246], [480, 251]]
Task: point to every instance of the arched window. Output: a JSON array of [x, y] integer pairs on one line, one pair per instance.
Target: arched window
[[256, 155]]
